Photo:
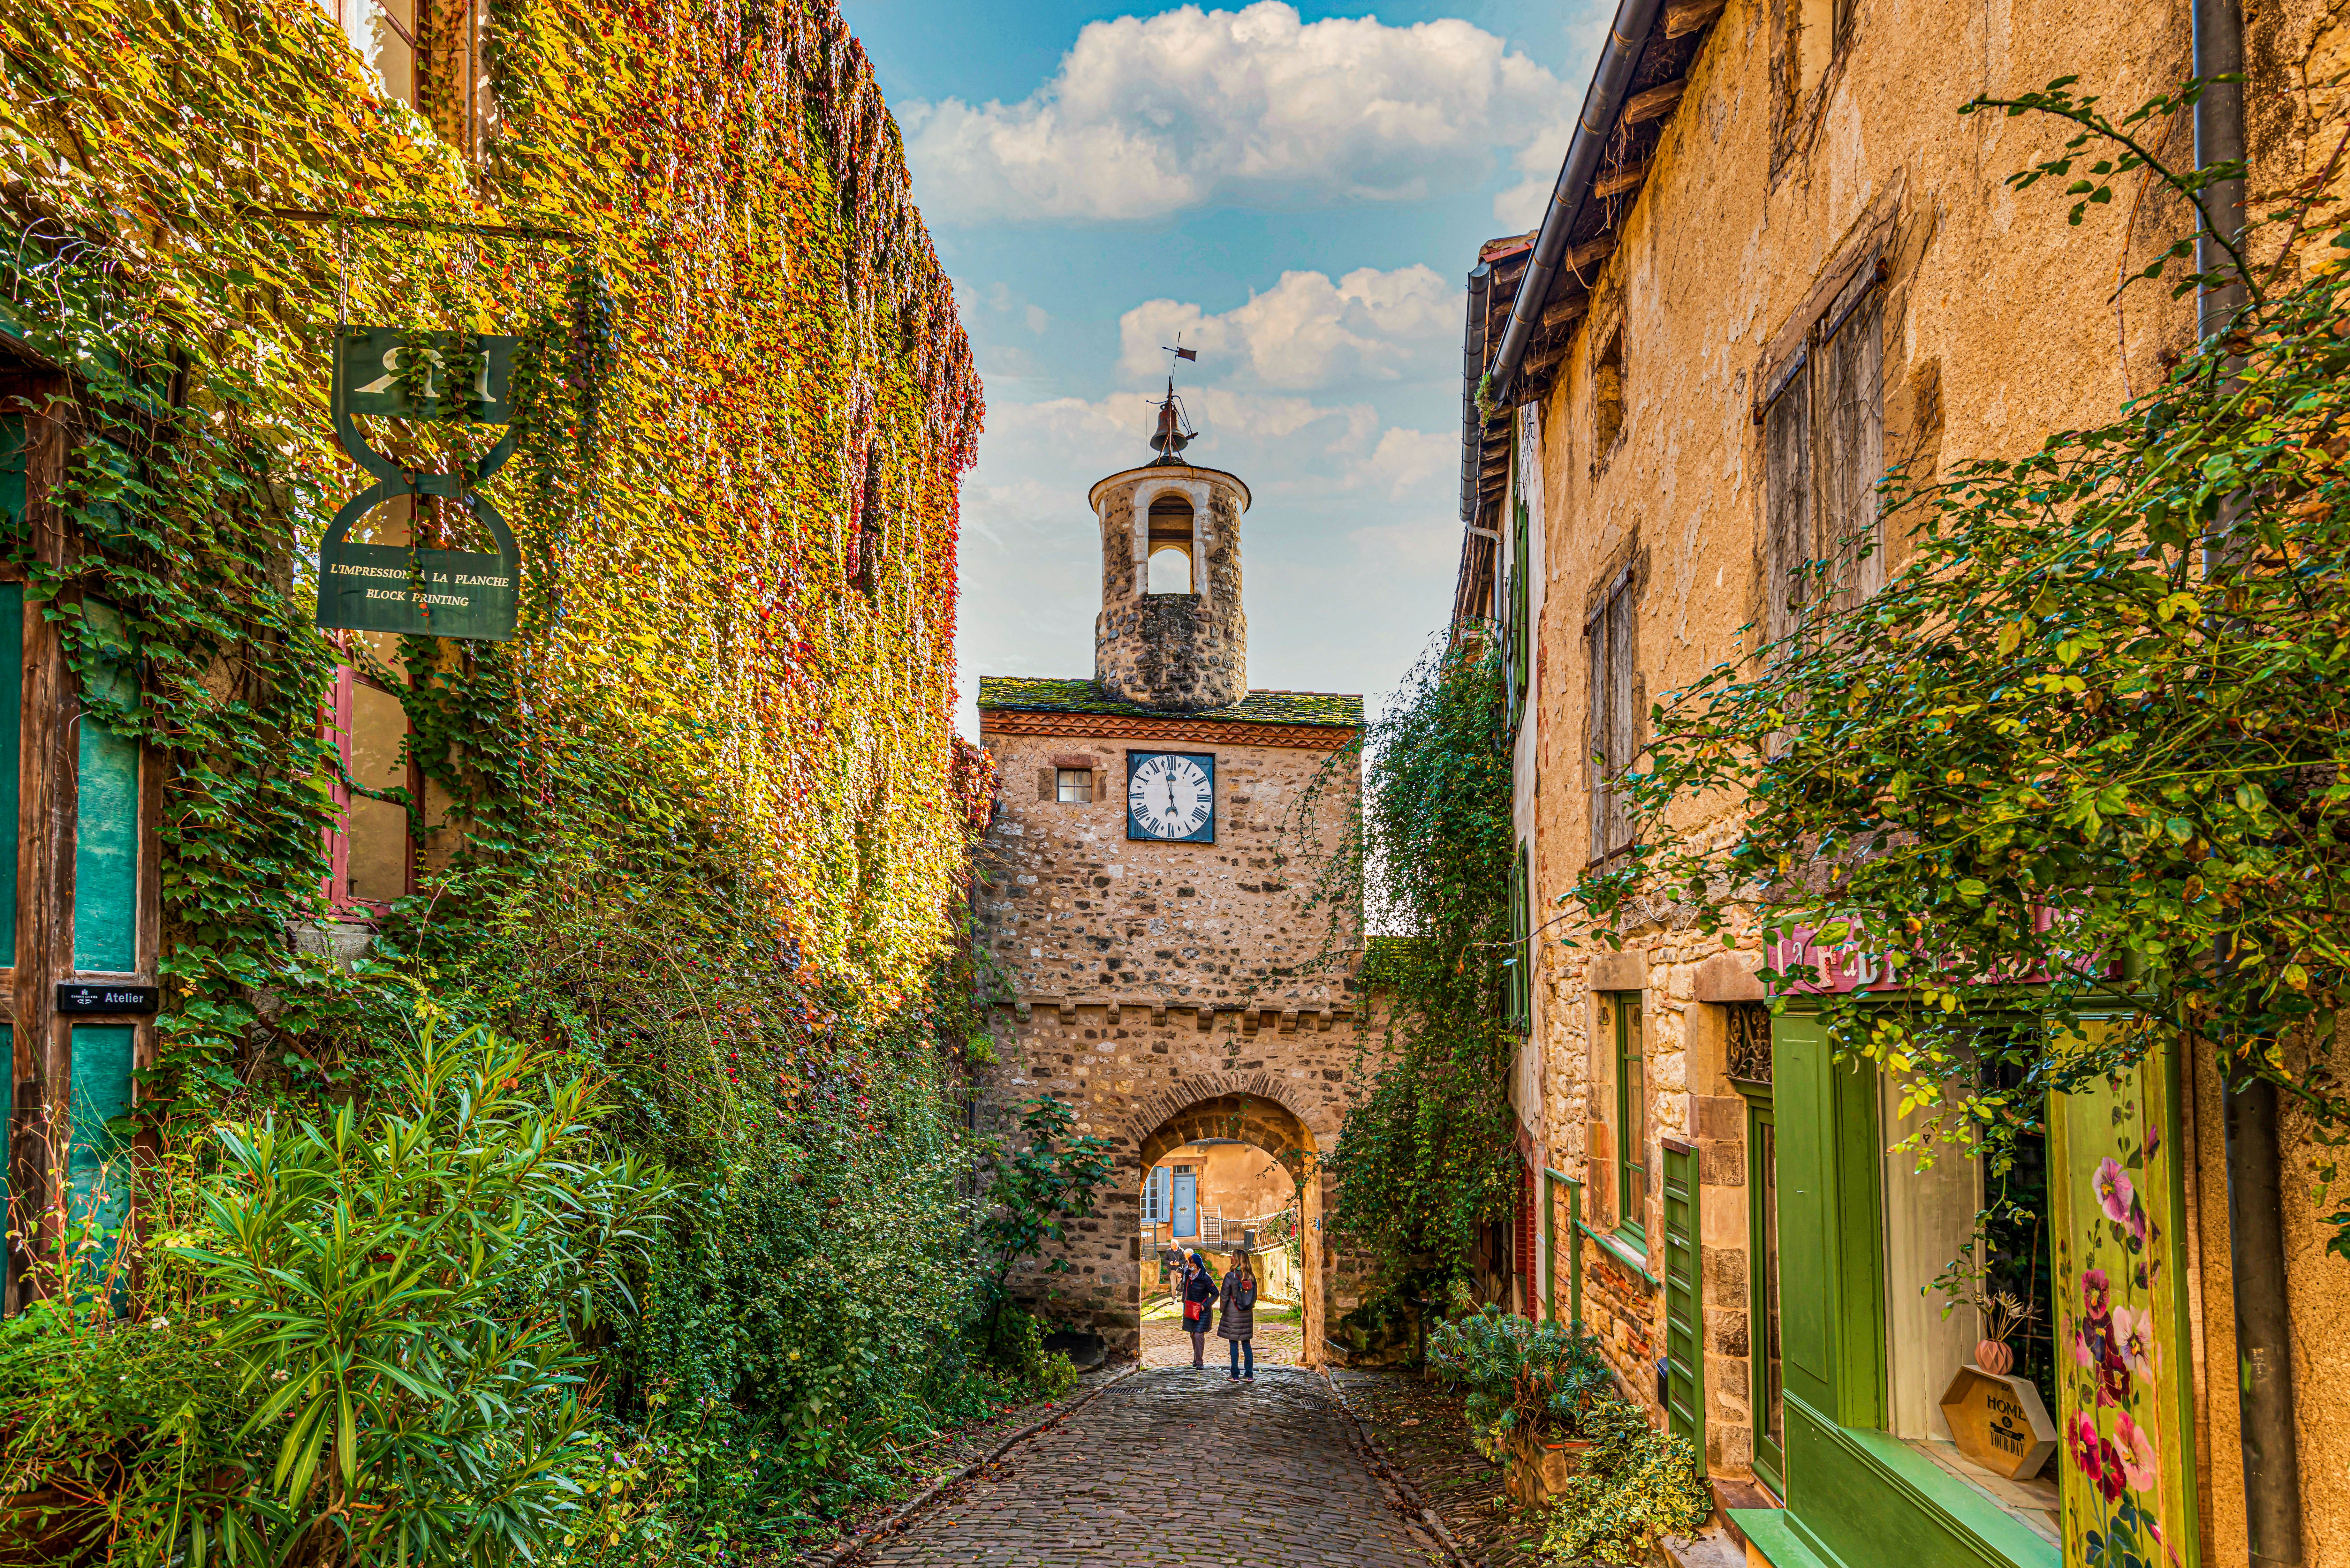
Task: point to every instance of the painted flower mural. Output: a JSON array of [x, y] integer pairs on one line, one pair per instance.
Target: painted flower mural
[[2119, 1502]]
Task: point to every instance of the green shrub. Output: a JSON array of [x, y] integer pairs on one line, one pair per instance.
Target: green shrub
[[1637, 1484], [366, 1342], [1514, 1371]]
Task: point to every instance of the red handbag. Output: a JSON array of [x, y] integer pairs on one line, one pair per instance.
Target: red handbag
[[1190, 1311]]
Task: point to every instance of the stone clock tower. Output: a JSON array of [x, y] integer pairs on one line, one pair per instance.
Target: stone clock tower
[[1146, 904]]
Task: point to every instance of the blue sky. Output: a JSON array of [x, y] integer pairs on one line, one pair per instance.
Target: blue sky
[[1298, 190]]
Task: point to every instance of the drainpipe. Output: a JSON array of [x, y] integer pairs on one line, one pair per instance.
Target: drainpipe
[[2255, 1161], [1627, 36]]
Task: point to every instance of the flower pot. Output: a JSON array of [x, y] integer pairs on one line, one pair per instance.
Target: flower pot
[[1994, 1358], [1538, 1465]]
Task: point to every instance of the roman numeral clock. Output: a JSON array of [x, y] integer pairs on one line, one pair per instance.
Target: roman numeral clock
[[1170, 796]]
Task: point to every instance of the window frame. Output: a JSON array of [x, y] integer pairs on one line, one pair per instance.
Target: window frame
[[1631, 1130], [1063, 783], [336, 728], [1612, 649], [1815, 486]]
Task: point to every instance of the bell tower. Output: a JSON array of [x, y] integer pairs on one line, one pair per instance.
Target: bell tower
[[1170, 634]]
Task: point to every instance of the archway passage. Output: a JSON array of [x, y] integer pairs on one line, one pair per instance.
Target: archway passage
[[1189, 1179], [1173, 545]]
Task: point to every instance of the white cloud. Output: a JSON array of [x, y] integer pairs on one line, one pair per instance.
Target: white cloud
[[1149, 115], [1306, 332], [1407, 460]]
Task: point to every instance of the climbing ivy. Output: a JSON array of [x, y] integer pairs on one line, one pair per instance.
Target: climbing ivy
[[700, 827], [1426, 1154]]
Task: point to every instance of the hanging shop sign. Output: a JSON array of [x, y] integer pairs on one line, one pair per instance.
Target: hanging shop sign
[[393, 373]]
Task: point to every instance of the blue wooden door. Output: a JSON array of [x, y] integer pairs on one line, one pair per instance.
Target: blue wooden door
[[1187, 1203]]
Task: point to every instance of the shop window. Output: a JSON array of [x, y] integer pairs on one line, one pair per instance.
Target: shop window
[[1073, 786], [106, 802], [1171, 546], [1621, 1017], [371, 850], [1614, 713]]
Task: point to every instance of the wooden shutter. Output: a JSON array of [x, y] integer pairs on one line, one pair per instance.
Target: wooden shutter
[[1517, 987], [1684, 1299], [1045, 782], [1622, 717], [12, 729], [1786, 502], [1849, 367]]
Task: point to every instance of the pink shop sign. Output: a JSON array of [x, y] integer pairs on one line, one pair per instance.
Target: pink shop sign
[[1855, 965]]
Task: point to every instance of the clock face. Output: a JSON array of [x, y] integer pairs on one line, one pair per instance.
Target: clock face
[[1170, 796]]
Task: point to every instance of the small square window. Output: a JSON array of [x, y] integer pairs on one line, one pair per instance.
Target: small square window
[[1073, 786]]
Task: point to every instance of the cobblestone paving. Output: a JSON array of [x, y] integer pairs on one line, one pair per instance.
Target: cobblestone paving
[[1175, 1468], [1278, 1343], [1417, 1424]]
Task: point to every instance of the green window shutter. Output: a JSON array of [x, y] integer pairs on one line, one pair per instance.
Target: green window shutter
[[1684, 1300], [12, 727], [106, 811], [1522, 640], [1518, 985]]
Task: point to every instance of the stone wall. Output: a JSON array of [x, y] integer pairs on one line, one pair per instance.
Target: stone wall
[[1183, 652], [1169, 992]]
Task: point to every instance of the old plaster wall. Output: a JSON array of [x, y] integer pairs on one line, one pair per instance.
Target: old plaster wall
[[1998, 328], [1169, 991]]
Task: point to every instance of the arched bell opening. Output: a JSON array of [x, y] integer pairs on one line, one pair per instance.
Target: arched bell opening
[[1172, 552], [1197, 1166]]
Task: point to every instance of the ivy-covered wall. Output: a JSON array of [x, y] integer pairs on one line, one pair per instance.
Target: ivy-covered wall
[[701, 828]]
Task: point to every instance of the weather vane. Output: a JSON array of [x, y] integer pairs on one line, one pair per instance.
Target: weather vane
[[1175, 432]]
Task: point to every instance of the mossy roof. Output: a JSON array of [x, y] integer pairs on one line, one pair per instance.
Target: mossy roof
[[1040, 694]]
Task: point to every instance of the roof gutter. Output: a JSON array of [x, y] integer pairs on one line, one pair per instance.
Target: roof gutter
[[1627, 37], [1473, 364]]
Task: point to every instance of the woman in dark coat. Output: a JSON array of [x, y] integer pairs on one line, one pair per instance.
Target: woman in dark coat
[[1199, 1305], [1238, 1323]]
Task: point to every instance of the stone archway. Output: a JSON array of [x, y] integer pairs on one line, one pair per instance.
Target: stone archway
[[1267, 1125]]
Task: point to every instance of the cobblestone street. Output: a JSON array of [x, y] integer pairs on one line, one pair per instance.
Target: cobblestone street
[[1170, 1466]]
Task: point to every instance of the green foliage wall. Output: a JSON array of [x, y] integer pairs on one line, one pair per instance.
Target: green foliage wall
[[700, 829]]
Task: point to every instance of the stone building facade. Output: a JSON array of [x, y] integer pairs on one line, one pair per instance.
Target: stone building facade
[[1171, 988], [1789, 266]]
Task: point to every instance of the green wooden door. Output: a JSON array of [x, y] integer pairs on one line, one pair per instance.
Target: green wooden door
[[1684, 1299], [1762, 1284]]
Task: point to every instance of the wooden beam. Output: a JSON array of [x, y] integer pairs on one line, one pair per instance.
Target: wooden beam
[[1564, 311], [1589, 254], [1654, 104], [1542, 361], [1617, 181], [1686, 17]]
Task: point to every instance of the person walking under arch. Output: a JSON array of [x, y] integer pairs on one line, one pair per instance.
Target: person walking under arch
[[1199, 1304], [1237, 1321]]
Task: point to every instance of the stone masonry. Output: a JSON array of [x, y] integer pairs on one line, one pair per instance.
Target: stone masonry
[[1177, 652], [1168, 990], [1171, 990]]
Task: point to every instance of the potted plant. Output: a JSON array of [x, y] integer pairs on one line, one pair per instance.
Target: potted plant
[[2002, 1315], [1528, 1388]]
